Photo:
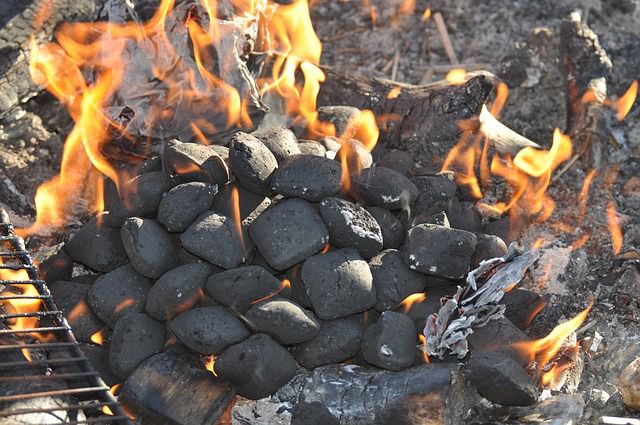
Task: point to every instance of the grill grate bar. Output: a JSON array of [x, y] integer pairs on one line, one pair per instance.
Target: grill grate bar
[[46, 345], [34, 330], [34, 314], [68, 391], [32, 363], [47, 377]]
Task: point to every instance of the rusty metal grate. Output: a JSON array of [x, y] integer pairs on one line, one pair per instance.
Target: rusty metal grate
[[57, 384]]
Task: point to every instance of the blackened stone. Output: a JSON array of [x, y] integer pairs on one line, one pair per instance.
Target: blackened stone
[[99, 358], [257, 367], [240, 288], [70, 297], [499, 335], [288, 233], [391, 227], [136, 337], [184, 203], [400, 161], [439, 251], [339, 116], [54, 263], [215, 238], [384, 188], [394, 281], [248, 202], [489, 246], [97, 246], [338, 283], [500, 379], [121, 291], [195, 162], [308, 177], [139, 197], [337, 341], [351, 225], [312, 148], [208, 330], [522, 306], [177, 290], [280, 141], [182, 391], [252, 163], [356, 154], [283, 320], [148, 246], [390, 343], [314, 413]]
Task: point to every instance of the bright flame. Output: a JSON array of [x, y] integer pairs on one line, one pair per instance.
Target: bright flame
[[235, 208], [423, 342], [457, 76], [412, 299], [614, 228], [624, 104], [98, 337], [584, 193], [394, 93], [426, 14], [283, 285], [113, 390], [210, 364]]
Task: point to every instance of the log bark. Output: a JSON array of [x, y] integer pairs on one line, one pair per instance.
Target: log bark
[[586, 66]]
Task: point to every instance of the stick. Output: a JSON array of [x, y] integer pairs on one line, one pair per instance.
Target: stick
[[444, 37]]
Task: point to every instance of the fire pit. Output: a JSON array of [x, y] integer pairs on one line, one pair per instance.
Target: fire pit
[[239, 234]]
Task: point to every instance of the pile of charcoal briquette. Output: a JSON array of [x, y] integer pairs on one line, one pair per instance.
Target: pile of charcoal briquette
[[254, 253]]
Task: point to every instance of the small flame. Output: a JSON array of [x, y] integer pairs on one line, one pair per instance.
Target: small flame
[[614, 228], [325, 248], [426, 14], [373, 14], [624, 104], [457, 76], [584, 193], [423, 343], [394, 93], [127, 302], [283, 285], [581, 241], [98, 337], [113, 390], [412, 299], [538, 243], [235, 208], [210, 364]]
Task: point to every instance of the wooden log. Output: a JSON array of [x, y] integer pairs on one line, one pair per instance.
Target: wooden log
[[586, 66]]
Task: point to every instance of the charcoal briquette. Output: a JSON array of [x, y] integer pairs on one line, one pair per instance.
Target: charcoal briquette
[[394, 281], [257, 367], [184, 203], [252, 163], [289, 232], [391, 227], [308, 177], [70, 297], [247, 202], [398, 160], [279, 140], [499, 335], [208, 330], [314, 413], [384, 187], [390, 343], [311, 147], [339, 116], [195, 162], [489, 246], [54, 263], [338, 283], [350, 225], [136, 336], [97, 246], [98, 356], [283, 320], [139, 197], [177, 290], [356, 155], [522, 306], [149, 247], [239, 288], [420, 309]]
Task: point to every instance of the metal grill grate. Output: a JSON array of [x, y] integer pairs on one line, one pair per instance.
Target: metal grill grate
[[44, 376]]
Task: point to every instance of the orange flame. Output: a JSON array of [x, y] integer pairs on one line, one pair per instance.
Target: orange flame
[[210, 364], [412, 299], [98, 337], [426, 14], [423, 342], [113, 390], [394, 93], [283, 285], [584, 193], [614, 228], [624, 104], [235, 208]]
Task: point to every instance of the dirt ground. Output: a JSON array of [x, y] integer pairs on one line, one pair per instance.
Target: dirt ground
[[517, 40]]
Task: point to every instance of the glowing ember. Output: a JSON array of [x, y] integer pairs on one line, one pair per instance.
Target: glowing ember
[[614, 228], [98, 337], [394, 93], [457, 76], [285, 284], [412, 299], [210, 364]]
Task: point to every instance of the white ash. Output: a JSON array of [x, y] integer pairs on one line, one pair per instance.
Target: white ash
[[359, 230]]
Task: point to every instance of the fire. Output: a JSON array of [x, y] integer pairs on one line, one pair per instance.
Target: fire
[[426, 14], [457, 76], [325, 248], [98, 337], [113, 390], [541, 353], [584, 193], [394, 93], [285, 284], [423, 343], [210, 364], [235, 208], [624, 104], [412, 299], [614, 228]]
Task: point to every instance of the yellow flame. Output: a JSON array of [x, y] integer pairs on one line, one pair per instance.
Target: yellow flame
[[457, 76], [411, 300], [624, 104]]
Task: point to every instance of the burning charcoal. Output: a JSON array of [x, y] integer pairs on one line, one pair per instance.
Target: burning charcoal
[[257, 366], [297, 292], [357, 156], [339, 116], [489, 246], [314, 413], [208, 330], [153, 163], [288, 233], [182, 391], [433, 189], [240, 288], [195, 162], [338, 283], [97, 246], [70, 298], [249, 203], [280, 141], [337, 341], [500, 379], [283, 320], [350, 225], [421, 306], [252, 163], [177, 290], [394, 281], [390, 343], [463, 216], [54, 263], [384, 188], [498, 335], [439, 251], [136, 337], [312, 147], [392, 228], [99, 358], [139, 197], [331, 144], [258, 259], [148, 246], [400, 161], [121, 291], [309, 177], [522, 306], [215, 238], [184, 203]]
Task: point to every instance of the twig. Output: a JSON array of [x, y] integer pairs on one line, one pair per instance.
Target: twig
[[444, 37], [587, 326], [396, 62], [566, 167]]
